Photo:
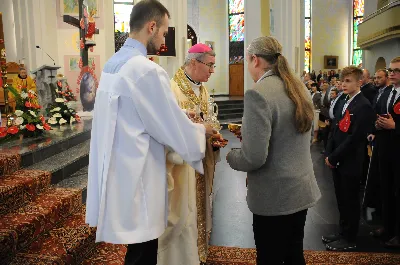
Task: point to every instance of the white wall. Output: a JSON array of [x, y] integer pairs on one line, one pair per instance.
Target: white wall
[[213, 26], [6, 8], [388, 50], [330, 31]]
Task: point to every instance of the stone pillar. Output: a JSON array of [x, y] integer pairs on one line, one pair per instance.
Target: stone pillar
[[285, 22]]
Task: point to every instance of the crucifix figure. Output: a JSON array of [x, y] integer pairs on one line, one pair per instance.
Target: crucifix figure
[[86, 26]]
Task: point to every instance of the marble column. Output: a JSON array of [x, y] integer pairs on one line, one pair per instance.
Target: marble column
[[278, 18]]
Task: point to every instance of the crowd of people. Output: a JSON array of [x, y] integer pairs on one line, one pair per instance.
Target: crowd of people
[[152, 160], [369, 151]]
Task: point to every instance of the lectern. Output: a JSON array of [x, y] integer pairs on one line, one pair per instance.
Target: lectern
[[46, 75]]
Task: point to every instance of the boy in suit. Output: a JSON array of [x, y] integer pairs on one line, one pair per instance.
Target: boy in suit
[[390, 124], [344, 146]]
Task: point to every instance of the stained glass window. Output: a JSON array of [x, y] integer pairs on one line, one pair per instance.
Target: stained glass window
[[307, 36], [236, 6], [236, 27], [236, 30], [122, 13], [358, 15]]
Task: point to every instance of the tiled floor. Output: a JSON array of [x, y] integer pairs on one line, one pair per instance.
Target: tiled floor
[[232, 220]]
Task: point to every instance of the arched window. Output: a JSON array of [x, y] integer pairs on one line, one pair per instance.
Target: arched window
[[358, 15], [236, 30], [307, 36], [122, 13]]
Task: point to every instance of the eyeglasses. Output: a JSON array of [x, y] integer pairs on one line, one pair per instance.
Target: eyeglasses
[[394, 71], [210, 65]]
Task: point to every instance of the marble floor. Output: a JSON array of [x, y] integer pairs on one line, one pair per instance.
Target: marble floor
[[232, 220]]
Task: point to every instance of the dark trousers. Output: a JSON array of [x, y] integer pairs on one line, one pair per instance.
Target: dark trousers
[[325, 135], [347, 190], [387, 172], [142, 253], [280, 238]]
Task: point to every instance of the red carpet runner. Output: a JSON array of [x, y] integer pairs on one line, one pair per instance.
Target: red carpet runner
[[40, 224]]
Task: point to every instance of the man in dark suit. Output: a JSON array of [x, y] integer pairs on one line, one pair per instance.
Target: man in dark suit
[[389, 158], [344, 146], [373, 196], [368, 89]]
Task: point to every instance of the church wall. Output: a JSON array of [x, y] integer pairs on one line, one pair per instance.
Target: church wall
[[370, 6], [213, 26], [388, 50], [331, 31], [6, 8]]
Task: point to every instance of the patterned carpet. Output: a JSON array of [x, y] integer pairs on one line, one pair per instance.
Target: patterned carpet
[[238, 256], [41, 224]]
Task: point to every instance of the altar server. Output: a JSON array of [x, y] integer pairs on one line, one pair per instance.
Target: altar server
[[136, 116]]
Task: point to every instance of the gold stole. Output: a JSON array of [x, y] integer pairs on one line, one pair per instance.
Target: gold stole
[[184, 85]]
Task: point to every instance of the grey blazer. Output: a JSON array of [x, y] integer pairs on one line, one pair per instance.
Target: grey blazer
[[276, 157]]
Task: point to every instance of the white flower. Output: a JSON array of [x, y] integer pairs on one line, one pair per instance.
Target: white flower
[[57, 90], [55, 109], [57, 115], [59, 100], [71, 120], [19, 121], [40, 127], [24, 95], [65, 111], [32, 92], [32, 113], [19, 112], [22, 127], [62, 121], [52, 121]]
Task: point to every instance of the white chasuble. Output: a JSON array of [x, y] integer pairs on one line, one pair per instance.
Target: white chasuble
[[185, 241], [136, 117]]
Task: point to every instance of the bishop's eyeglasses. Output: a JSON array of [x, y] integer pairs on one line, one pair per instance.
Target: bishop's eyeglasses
[[210, 65]]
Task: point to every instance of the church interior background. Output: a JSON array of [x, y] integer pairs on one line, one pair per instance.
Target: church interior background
[[43, 177]]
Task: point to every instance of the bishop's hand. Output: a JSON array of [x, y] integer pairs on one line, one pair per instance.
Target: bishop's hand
[[210, 131]]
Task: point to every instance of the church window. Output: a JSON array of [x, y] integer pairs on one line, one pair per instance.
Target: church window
[[122, 13], [358, 15], [236, 30], [307, 36]]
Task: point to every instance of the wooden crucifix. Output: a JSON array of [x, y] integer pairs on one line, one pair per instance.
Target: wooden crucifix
[[86, 27]]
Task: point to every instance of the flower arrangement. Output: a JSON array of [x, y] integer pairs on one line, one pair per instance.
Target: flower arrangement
[[26, 119], [61, 111], [66, 93]]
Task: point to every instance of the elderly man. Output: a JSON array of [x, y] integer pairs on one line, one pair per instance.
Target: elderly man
[[185, 240], [368, 89]]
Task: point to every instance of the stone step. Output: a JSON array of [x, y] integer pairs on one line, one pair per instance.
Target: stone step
[[20, 228], [66, 163], [77, 181], [20, 188], [60, 138], [70, 242], [228, 111], [230, 116], [229, 102], [107, 254], [231, 106]]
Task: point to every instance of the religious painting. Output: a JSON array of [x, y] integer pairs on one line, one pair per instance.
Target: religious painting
[[71, 7], [210, 44], [331, 62], [88, 84], [74, 64]]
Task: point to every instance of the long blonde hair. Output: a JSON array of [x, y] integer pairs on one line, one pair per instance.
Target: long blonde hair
[[270, 50]]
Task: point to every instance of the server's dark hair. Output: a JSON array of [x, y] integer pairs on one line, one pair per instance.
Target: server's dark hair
[[146, 11]]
